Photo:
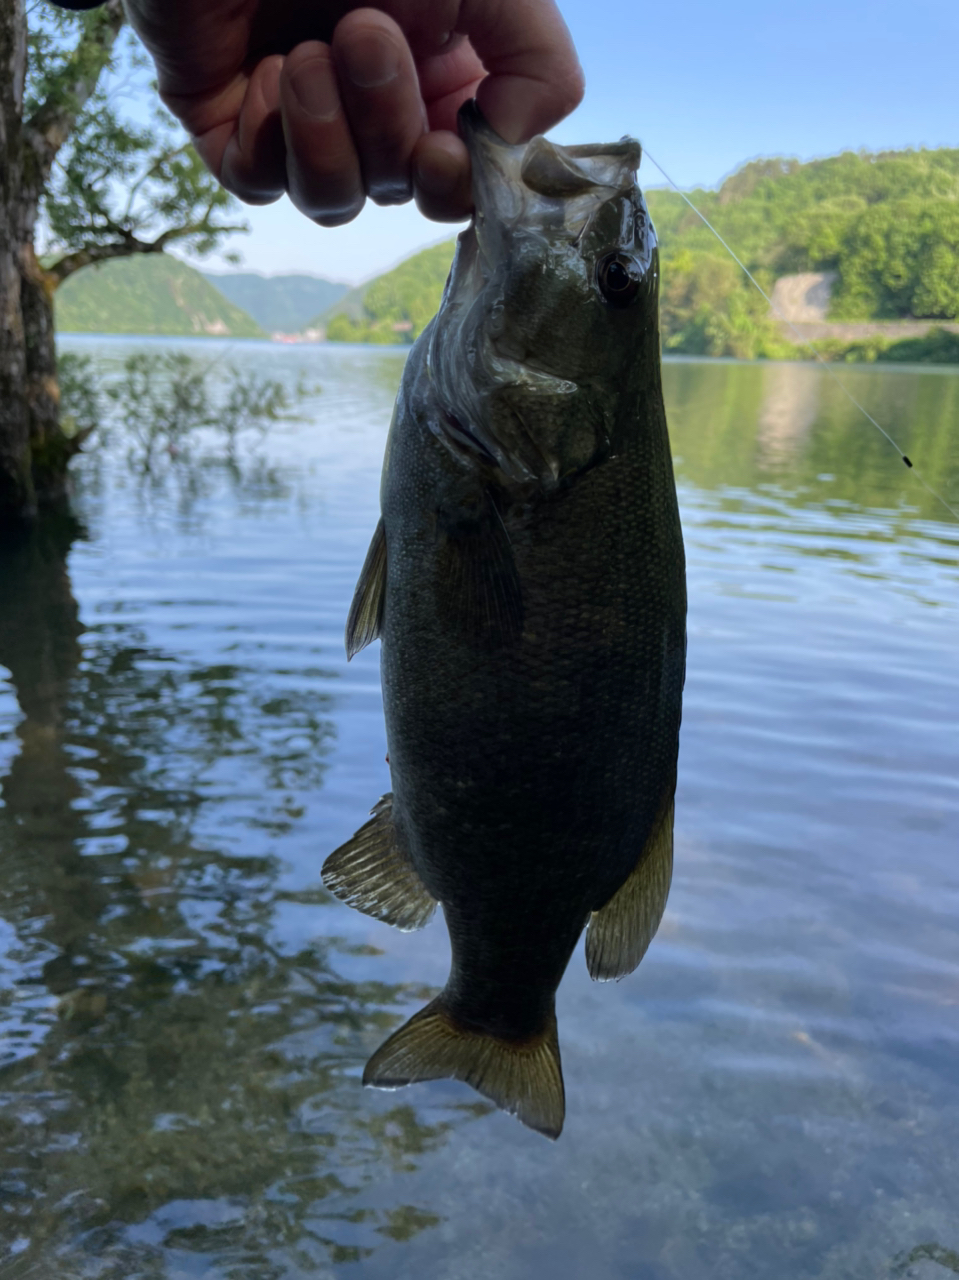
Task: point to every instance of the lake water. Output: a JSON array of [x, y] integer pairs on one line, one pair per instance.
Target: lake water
[[185, 1013]]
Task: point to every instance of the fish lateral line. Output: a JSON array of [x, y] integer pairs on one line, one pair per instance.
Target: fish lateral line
[[804, 342]]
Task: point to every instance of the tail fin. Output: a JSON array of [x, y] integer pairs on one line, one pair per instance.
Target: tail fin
[[523, 1078]]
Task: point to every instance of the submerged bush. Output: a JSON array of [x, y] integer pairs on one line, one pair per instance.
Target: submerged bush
[[80, 401], [165, 402]]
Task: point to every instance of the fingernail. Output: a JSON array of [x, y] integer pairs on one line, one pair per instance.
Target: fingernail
[[371, 60], [314, 88]]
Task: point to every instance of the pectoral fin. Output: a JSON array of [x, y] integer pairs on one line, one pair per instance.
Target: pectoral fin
[[366, 612], [479, 584], [618, 935], [374, 874]]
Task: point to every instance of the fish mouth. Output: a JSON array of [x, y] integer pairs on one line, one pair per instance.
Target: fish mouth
[[506, 176]]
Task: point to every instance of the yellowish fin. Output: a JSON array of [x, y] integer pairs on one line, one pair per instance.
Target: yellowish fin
[[374, 874], [619, 934], [523, 1078], [365, 619]]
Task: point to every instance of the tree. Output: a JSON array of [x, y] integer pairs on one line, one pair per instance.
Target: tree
[[899, 261], [99, 185], [887, 224]]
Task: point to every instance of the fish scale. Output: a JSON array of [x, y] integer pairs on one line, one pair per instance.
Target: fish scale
[[527, 582]]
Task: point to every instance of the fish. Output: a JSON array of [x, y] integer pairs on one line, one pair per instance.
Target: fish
[[526, 580]]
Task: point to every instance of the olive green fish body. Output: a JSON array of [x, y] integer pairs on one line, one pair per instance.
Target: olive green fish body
[[527, 582], [527, 777]]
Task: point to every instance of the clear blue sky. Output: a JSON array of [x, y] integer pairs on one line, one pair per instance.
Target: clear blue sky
[[705, 86]]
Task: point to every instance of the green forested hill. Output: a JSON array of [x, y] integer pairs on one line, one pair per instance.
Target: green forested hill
[[395, 307], [281, 304], [150, 293], [887, 224]]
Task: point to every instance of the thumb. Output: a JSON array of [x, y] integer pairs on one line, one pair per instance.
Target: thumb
[[533, 74]]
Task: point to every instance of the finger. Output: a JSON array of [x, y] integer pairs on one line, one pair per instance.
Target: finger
[[323, 170], [441, 162], [449, 79], [253, 165], [380, 92], [441, 177], [212, 128], [534, 75]]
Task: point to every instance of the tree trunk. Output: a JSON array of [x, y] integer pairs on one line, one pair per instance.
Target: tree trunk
[[50, 449], [17, 497], [34, 453]]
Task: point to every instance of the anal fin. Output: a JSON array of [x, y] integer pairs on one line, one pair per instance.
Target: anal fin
[[523, 1078], [366, 612], [619, 934], [372, 873]]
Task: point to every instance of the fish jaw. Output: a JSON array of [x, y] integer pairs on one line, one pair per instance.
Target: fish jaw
[[539, 181]]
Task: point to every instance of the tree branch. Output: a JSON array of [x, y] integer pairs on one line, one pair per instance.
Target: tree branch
[[196, 229], [127, 247], [94, 253], [149, 173], [51, 124]]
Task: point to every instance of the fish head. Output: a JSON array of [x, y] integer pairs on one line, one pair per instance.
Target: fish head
[[548, 330]]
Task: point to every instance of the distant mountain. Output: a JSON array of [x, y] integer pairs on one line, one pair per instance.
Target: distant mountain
[[395, 307], [151, 294], [351, 304], [281, 304]]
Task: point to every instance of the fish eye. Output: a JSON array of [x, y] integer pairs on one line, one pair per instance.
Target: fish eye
[[616, 280]]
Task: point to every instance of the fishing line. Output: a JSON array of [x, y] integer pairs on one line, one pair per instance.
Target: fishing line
[[803, 341]]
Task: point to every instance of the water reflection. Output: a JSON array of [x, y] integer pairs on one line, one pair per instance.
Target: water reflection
[[744, 425], [180, 481], [177, 1084], [790, 406]]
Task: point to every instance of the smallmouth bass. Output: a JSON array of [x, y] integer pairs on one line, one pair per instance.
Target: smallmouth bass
[[527, 581]]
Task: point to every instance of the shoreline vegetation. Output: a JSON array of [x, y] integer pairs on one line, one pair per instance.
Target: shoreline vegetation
[[867, 273]]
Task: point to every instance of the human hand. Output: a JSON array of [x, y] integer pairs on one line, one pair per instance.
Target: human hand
[[333, 102]]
